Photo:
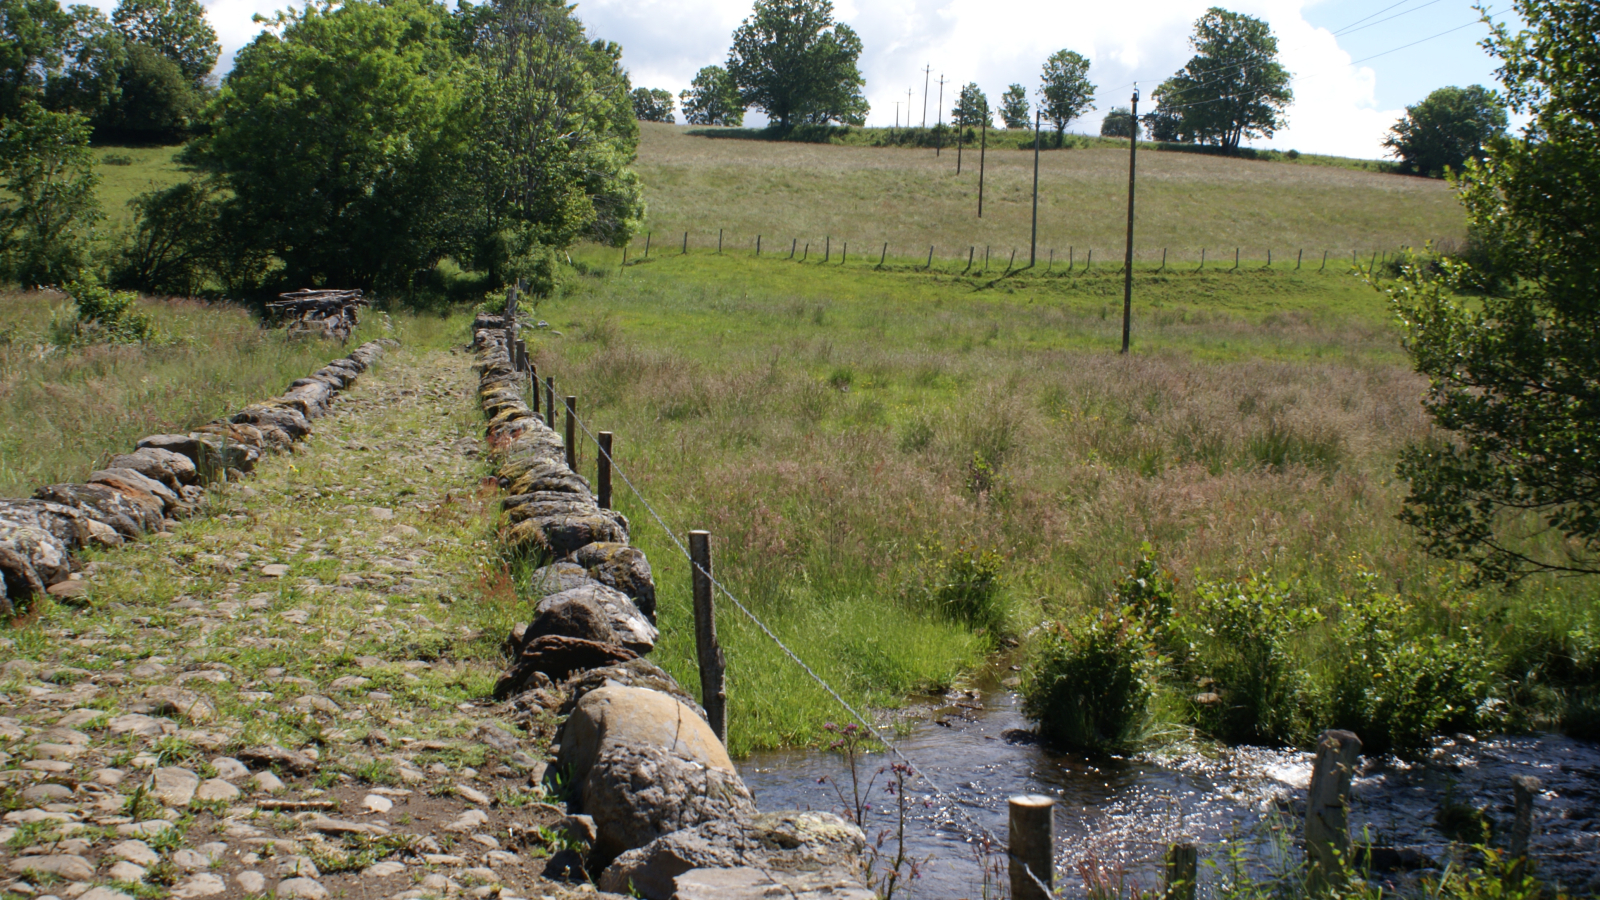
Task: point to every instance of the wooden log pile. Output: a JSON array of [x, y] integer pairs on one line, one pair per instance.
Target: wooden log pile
[[325, 313]]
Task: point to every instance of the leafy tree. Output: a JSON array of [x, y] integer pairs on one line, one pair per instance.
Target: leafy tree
[[1117, 123], [177, 29], [173, 247], [1445, 130], [972, 107], [155, 101], [1233, 87], [1065, 91], [48, 170], [792, 61], [1014, 109], [1514, 375], [1164, 124], [652, 104], [712, 99], [63, 59]]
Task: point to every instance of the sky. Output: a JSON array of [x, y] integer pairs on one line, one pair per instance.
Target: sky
[[1349, 87]]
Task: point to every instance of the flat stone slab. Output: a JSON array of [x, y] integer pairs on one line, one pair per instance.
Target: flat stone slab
[[176, 787], [72, 868], [745, 883]]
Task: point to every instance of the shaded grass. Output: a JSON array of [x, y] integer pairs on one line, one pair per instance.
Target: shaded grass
[[133, 171], [827, 426]]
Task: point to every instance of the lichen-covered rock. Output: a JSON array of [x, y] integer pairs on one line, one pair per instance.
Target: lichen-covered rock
[[559, 535], [557, 657], [129, 515], [31, 559], [171, 469], [639, 673], [573, 616], [646, 765], [783, 844], [138, 486], [548, 503], [557, 577], [754, 883], [622, 567], [548, 476], [286, 419], [626, 625]]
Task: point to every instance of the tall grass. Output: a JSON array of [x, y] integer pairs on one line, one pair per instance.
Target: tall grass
[[829, 427], [64, 411]]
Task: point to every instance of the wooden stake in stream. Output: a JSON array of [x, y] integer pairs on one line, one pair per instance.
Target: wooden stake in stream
[[1523, 788], [1127, 263], [713, 696], [602, 473], [1328, 805], [572, 433], [1031, 843]]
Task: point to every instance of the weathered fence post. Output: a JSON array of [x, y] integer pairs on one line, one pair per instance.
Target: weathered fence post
[[884, 255], [827, 250], [550, 402], [1163, 260], [685, 243], [602, 474], [1299, 258], [1052, 261], [758, 245], [1524, 788], [844, 254], [1031, 847], [1324, 261], [522, 355], [572, 433], [930, 257], [533, 377], [1236, 258], [793, 244], [1183, 871], [1202, 259], [1012, 261], [1269, 257], [1327, 806], [647, 235], [719, 241], [712, 693]]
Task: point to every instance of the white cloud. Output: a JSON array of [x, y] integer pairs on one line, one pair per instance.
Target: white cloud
[[991, 42]]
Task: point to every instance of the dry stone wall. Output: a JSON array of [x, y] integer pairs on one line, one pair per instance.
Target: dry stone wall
[[162, 479], [653, 797]]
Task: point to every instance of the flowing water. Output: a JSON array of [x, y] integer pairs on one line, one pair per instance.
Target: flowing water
[[1117, 817]]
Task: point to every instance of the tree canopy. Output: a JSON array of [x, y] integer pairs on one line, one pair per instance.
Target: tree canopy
[[1065, 91], [972, 107], [1233, 88], [1117, 123], [1446, 129], [652, 104], [49, 201], [1014, 109], [1507, 336], [712, 99], [177, 29], [791, 60], [62, 59]]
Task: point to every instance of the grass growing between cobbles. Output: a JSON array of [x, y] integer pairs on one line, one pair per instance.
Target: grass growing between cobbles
[[878, 453]]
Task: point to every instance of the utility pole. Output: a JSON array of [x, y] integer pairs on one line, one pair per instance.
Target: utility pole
[[927, 72], [982, 152], [938, 132], [1127, 262], [1033, 242]]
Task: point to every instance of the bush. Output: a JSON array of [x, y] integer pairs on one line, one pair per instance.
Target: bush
[[1089, 687], [1239, 637], [1400, 683], [963, 585], [105, 316]]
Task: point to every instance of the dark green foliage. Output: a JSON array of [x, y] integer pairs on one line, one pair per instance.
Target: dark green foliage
[[1514, 485], [1117, 123], [1064, 88], [173, 247], [105, 316], [1240, 636], [652, 104], [1233, 88], [63, 59], [1014, 107], [963, 584], [49, 206], [972, 107], [1088, 687], [155, 103], [1401, 685], [177, 29], [1445, 130], [791, 60], [712, 99]]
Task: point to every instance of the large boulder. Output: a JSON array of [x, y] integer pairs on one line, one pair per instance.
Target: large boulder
[[639, 673], [575, 616], [644, 765], [622, 567], [558, 577], [557, 657], [171, 469], [286, 419], [559, 534], [749, 883], [135, 485], [783, 844], [31, 559], [129, 515]]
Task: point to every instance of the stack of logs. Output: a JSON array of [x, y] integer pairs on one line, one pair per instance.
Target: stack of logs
[[655, 801], [162, 479], [329, 313]]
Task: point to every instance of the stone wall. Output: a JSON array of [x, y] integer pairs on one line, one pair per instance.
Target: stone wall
[[161, 480], [655, 801]]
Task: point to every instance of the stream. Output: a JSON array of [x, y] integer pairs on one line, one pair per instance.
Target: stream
[[1114, 818]]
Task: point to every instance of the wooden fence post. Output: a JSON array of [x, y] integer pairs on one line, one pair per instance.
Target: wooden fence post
[[1299, 258], [806, 253], [1328, 806], [647, 236], [1052, 261], [758, 245], [685, 243], [550, 402], [602, 475], [1163, 260], [1324, 261], [1183, 871], [844, 254], [1524, 788], [533, 375], [572, 433], [793, 244], [1031, 847], [827, 250], [1202, 259], [930, 257], [719, 241], [885, 254], [712, 665]]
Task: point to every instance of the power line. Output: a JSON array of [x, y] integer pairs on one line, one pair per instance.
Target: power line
[[1381, 21], [1370, 15]]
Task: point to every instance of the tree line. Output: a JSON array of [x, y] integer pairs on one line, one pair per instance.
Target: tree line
[[358, 144]]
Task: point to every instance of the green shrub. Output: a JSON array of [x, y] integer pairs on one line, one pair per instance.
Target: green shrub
[[1089, 687], [1400, 685], [963, 584], [1239, 636], [105, 316]]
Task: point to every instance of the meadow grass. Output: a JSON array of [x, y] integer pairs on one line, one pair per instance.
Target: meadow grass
[[845, 433], [127, 172], [911, 199]]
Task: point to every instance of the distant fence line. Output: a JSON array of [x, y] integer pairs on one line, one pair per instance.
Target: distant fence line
[[876, 255]]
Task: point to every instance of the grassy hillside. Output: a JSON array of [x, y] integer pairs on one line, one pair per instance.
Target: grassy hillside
[[911, 199]]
